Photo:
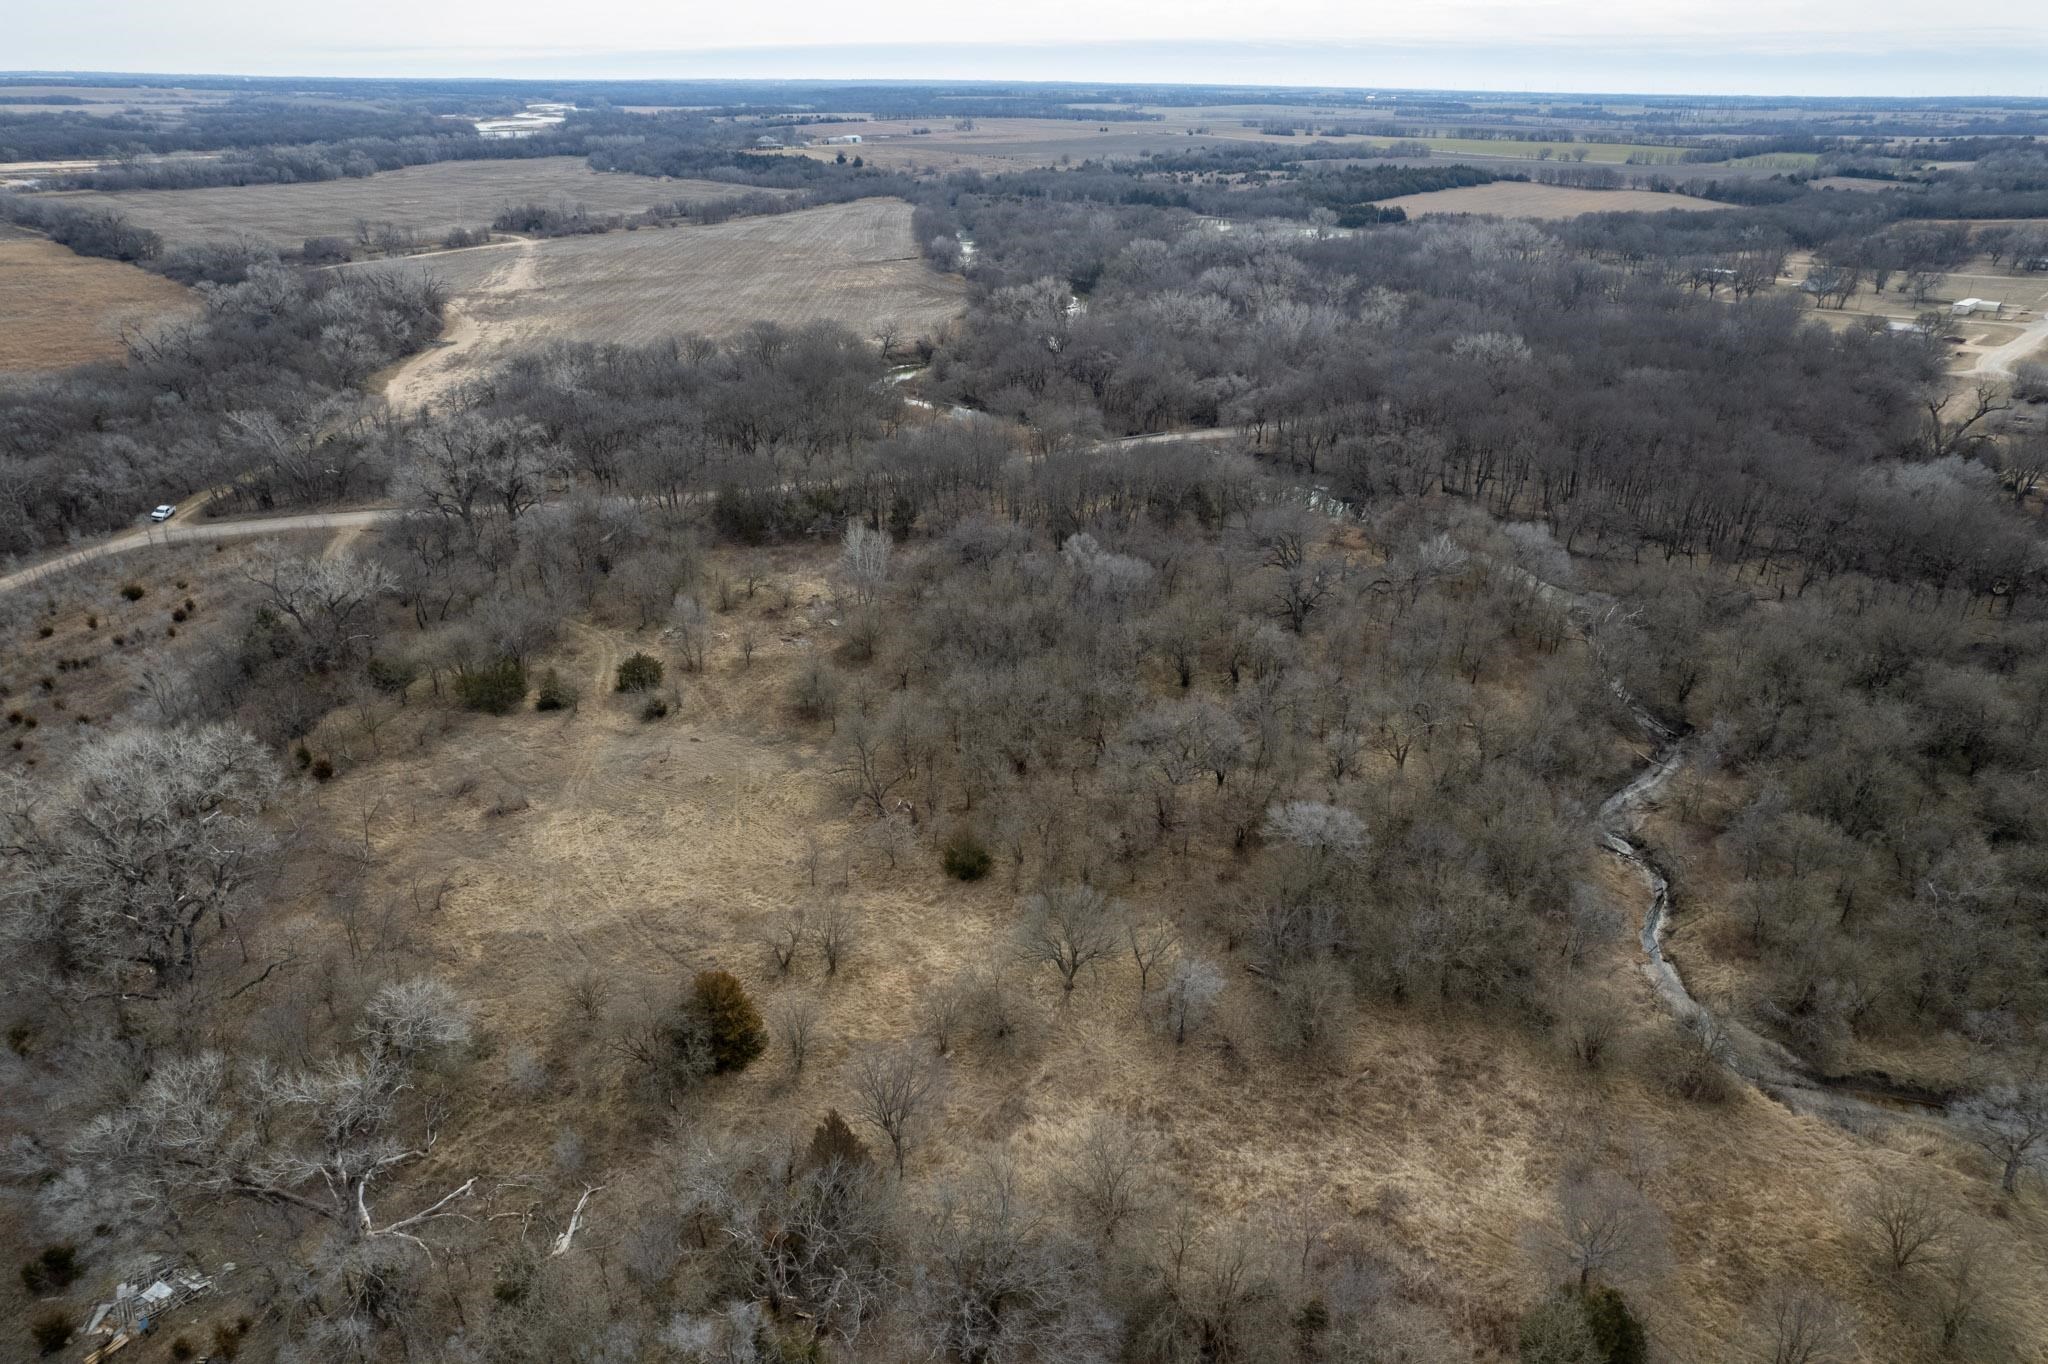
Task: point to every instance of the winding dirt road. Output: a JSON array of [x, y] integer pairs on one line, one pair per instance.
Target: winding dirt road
[[172, 534]]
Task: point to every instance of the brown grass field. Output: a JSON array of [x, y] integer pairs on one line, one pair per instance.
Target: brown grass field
[[590, 841], [1517, 199], [427, 199], [1010, 143], [850, 263], [57, 309]]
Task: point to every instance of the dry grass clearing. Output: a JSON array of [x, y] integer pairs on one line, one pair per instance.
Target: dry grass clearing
[[1517, 199], [591, 843], [86, 675], [58, 309], [850, 263], [428, 200]]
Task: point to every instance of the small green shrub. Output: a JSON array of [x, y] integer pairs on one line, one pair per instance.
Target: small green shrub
[[53, 1271], [178, 615], [51, 1330], [1554, 1332], [495, 688], [641, 672], [964, 858], [392, 675], [1617, 1334], [833, 1139], [555, 693], [655, 709], [1594, 1327], [227, 1337], [134, 591], [303, 756], [732, 1025]]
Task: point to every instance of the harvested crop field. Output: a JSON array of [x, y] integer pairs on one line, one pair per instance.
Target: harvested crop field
[[58, 309], [850, 263], [1516, 199], [428, 200]]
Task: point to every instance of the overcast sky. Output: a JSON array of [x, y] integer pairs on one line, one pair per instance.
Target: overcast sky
[[1898, 47]]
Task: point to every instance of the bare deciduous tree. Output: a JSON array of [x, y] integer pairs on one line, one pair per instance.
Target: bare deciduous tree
[[1602, 1228], [1800, 1324], [414, 1018], [896, 1089], [2012, 1123], [864, 562], [1908, 1226], [784, 935], [837, 931], [122, 860], [1152, 946], [1110, 1173], [331, 602], [1188, 997], [1069, 928], [1001, 1285], [795, 1023]]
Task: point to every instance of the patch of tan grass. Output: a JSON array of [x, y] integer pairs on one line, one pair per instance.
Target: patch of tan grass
[[61, 309]]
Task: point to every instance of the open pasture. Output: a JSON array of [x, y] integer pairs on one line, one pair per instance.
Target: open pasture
[[428, 200], [850, 263], [58, 309]]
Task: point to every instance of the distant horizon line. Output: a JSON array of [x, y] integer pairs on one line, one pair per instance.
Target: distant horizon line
[[1869, 68], [1134, 83]]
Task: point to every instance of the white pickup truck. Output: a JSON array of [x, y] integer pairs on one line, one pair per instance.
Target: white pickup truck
[[163, 513]]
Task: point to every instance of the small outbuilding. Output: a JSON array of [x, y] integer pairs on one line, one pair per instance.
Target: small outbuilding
[[1970, 307]]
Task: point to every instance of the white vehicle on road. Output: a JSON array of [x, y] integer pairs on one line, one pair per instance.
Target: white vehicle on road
[[163, 513]]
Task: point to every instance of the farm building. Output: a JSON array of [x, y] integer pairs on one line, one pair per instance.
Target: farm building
[[1970, 307], [843, 140]]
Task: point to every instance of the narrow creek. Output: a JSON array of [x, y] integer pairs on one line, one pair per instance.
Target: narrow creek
[[1769, 1065]]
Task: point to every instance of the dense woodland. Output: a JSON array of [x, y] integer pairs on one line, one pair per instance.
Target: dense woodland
[[1304, 730]]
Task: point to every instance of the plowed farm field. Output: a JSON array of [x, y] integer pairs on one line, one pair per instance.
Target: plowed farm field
[[855, 264], [428, 200]]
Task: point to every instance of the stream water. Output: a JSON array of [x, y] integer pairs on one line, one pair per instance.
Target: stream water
[[1767, 1064]]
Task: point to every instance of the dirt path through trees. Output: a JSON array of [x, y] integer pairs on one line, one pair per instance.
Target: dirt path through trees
[[421, 379]]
